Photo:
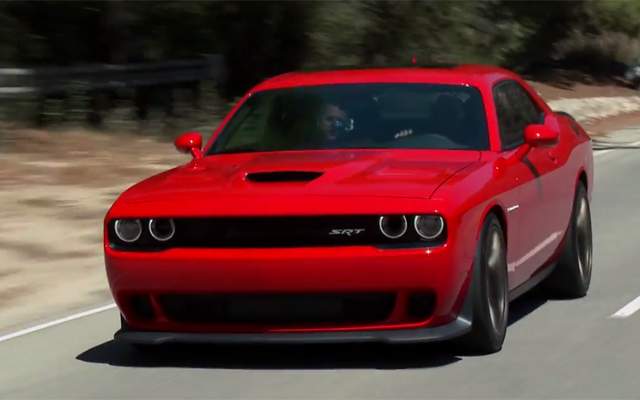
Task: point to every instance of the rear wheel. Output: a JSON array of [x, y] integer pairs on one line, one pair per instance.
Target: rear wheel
[[572, 276], [490, 291]]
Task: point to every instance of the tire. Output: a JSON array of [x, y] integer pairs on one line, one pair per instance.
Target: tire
[[490, 291], [571, 277]]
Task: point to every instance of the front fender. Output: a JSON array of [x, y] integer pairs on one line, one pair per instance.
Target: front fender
[[471, 224], [473, 196]]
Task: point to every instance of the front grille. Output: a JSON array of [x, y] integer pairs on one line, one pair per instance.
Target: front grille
[[276, 232], [266, 232], [278, 309], [141, 307]]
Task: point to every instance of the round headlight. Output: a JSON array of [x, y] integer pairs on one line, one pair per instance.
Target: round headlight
[[162, 229], [128, 230], [428, 226], [393, 226]]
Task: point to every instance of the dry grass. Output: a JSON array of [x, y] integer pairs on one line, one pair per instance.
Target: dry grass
[[551, 91], [9, 295], [55, 189], [597, 53]]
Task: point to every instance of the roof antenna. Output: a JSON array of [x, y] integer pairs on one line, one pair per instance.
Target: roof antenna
[[413, 60]]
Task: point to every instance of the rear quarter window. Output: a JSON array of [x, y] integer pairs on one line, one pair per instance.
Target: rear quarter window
[[572, 122]]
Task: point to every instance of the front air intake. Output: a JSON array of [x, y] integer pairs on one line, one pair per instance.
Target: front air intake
[[283, 176]]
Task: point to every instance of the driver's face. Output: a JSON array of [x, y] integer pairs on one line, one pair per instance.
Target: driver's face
[[331, 114]]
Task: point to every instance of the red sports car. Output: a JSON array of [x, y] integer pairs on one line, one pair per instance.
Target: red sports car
[[396, 205]]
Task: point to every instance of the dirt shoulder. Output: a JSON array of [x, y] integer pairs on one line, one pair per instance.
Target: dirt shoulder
[[557, 84], [55, 189], [580, 91]]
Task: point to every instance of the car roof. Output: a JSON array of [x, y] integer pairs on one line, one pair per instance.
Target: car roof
[[465, 74]]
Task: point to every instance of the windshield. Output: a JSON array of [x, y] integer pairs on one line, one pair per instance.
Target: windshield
[[357, 116]]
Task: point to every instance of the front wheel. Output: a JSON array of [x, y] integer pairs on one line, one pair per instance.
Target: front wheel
[[490, 291], [572, 276]]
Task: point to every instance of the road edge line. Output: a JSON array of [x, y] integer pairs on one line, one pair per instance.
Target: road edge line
[[628, 310], [56, 322]]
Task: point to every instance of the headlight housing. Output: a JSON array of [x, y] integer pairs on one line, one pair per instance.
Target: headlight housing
[[428, 227], [393, 226], [141, 233], [128, 230], [417, 228], [162, 229]]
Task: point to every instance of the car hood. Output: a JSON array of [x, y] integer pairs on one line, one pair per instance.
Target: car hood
[[377, 173]]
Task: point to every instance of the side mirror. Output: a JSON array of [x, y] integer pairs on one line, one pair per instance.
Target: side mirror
[[541, 136], [189, 143]]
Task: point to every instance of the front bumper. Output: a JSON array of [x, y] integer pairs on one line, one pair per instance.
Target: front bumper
[[458, 327], [364, 270]]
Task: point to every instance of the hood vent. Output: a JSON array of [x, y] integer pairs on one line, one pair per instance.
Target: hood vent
[[283, 176]]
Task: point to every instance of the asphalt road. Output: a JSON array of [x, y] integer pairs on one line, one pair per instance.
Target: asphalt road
[[570, 349]]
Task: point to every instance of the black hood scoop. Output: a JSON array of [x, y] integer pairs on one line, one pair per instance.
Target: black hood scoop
[[283, 176]]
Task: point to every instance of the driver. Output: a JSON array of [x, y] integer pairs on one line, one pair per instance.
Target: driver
[[333, 114]]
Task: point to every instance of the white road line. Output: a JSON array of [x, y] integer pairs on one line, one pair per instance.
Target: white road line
[[628, 310], [623, 313], [56, 322]]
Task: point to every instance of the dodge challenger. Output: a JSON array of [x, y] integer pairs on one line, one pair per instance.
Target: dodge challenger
[[395, 205]]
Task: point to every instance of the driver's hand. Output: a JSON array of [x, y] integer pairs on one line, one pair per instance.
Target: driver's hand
[[403, 133]]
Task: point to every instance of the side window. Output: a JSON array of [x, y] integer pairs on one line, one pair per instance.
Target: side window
[[516, 110], [527, 110], [509, 135]]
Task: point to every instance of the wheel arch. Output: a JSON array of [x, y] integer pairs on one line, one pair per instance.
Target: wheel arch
[[582, 177], [495, 208]]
